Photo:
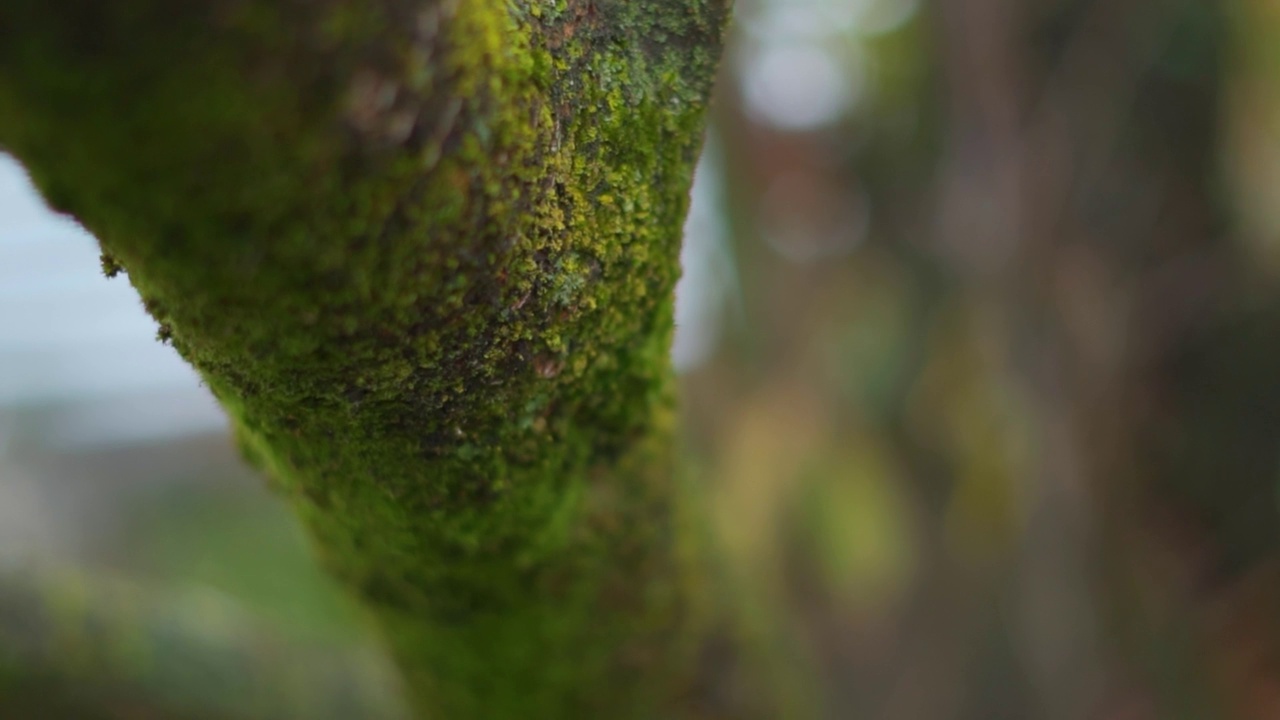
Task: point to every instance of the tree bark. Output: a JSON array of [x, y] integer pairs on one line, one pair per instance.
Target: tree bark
[[423, 253]]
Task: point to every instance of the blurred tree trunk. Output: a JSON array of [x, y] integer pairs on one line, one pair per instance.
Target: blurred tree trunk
[[1084, 208], [1073, 228], [423, 253]]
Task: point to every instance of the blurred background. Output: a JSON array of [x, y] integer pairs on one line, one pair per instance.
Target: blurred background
[[979, 337]]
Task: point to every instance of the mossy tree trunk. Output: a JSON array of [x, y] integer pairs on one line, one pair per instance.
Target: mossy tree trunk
[[423, 253]]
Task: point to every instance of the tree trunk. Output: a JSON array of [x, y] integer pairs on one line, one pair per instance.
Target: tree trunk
[[423, 253]]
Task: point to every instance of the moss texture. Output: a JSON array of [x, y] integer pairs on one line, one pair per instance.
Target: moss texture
[[424, 254]]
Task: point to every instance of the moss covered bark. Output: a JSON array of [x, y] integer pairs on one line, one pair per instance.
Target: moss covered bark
[[423, 252]]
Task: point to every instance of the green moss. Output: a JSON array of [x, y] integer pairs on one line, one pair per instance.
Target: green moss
[[424, 255]]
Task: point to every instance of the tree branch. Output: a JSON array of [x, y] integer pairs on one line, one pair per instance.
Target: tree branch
[[423, 253]]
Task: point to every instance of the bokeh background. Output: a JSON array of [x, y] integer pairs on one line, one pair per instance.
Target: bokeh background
[[979, 338]]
